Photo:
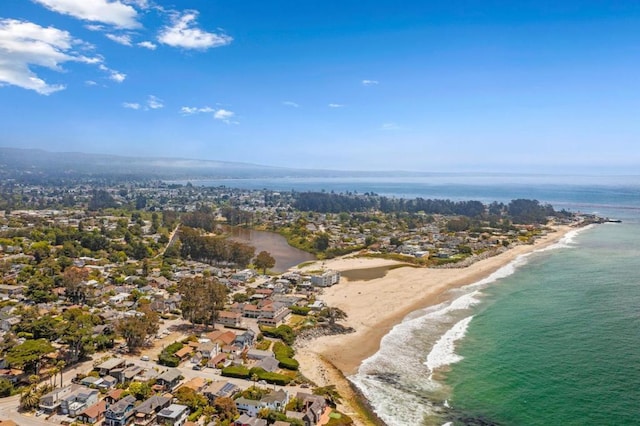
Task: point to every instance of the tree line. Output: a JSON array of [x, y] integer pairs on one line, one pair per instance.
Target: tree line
[[519, 211], [213, 249]]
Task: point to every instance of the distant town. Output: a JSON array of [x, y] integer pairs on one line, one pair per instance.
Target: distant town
[[132, 303]]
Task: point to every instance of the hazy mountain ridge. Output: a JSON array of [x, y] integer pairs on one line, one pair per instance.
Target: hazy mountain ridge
[[16, 162]]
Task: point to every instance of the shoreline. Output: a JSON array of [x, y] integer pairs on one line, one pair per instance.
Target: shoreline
[[375, 305]]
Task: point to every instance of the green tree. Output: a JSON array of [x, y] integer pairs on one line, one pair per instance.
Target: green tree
[[139, 390], [202, 299], [190, 398], [6, 388], [138, 328], [321, 242], [77, 332], [72, 280], [264, 261], [225, 408], [28, 355]]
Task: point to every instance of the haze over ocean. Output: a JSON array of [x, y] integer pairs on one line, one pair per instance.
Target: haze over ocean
[[550, 339]]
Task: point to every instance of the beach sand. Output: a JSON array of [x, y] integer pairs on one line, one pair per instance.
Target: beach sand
[[378, 302]]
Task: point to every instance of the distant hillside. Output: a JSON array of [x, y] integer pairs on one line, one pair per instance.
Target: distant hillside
[[34, 164]]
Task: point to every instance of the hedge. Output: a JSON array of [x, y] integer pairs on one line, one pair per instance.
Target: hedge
[[273, 378], [288, 363], [283, 332], [300, 310], [284, 355], [167, 358], [237, 371]]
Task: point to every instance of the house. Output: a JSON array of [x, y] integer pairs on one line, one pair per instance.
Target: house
[[270, 364], [173, 415], [245, 339], [222, 338], [220, 358], [120, 413], [114, 396], [326, 279], [258, 354], [197, 384], [314, 407], [273, 314], [124, 375], [221, 389], [146, 412], [208, 349], [107, 382], [94, 413], [275, 400], [169, 379], [110, 364], [79, 399], [50, 402], [245, 420], [248, 406], [184, 352], [230, 319]]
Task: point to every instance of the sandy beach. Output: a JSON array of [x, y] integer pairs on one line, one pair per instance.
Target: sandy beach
[[379, 301]]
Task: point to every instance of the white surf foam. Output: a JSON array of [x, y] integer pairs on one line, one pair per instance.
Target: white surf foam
[[567, 241], [443, 352]]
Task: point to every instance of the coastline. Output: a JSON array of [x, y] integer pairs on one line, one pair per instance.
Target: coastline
[[376, 303]]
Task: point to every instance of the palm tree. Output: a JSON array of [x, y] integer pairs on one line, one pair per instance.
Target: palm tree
[[54, 376], [60, 366], [30, 399]]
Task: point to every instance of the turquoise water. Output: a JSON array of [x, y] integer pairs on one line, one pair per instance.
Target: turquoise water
[[558, 342]]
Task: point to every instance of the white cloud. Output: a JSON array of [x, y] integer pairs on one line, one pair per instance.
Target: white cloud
[[123, 39], [291, 104], [90, 83], [95, 27], [370, 82], [140, 4], [195, 110], [111, 12], [147, 45], [25, 44], [118, 77], [224, 116], [154, 102], [131, 105], [114, 75], [183, 33], [336, 106]]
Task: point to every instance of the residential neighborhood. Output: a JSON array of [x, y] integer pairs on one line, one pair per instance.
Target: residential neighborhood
[[177, 321]]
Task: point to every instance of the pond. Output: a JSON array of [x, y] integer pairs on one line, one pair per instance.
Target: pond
[[285, 255]]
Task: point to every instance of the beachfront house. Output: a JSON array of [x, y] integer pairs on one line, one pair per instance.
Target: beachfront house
[[326, 279]]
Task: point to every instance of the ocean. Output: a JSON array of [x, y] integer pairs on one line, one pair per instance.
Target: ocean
[[551, 339]]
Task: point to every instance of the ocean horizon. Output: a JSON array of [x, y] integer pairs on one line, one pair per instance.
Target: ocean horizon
[[550, 338]]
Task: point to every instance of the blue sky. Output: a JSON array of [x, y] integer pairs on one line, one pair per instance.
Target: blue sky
[[536, 86]]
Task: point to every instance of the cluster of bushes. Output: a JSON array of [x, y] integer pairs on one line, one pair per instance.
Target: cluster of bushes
[[282, 332], [167, 356], [242, 372], [284, 355], [300, 310]]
